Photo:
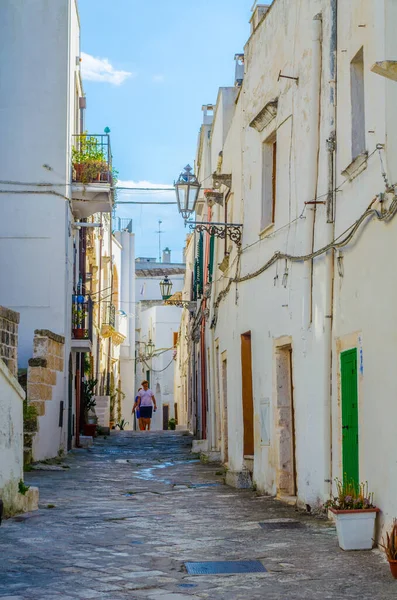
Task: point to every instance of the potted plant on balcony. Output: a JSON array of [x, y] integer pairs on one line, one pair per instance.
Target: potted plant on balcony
[[89, 159], [78, 319], [389, 545], [90, 418], [355, 513]]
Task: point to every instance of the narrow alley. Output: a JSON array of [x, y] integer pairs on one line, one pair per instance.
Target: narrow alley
[[123, 518]]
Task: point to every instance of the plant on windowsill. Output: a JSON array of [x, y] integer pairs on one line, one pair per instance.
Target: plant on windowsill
[[78, 319], [355, 513], [89, 160], [389, 545], [89, 403]]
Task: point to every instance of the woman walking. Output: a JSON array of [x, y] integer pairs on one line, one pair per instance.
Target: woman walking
[[146, 405]]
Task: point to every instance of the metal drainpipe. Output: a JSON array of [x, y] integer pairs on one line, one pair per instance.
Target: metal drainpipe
[[314, 146], [110, 304], [98, 342], [330, 256]]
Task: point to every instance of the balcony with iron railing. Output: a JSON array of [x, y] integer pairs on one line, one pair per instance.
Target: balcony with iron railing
[[110, 323], [92, 177], [82, 321]]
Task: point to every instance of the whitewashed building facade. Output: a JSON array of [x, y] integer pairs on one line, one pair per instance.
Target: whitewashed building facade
[[43, 198], [298, 340]]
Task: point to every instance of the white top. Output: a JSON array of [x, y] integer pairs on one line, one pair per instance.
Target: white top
[[146, 397]]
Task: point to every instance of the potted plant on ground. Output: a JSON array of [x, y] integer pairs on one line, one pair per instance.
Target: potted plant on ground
[[355, 513], [90, 418], [89, 159], [122, 424], [172, 424], [389, 545]]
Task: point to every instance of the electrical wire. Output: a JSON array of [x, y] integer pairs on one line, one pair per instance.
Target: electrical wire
[[157, 370], [342, 240]]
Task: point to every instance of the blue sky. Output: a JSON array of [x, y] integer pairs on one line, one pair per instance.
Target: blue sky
[[148, 67]]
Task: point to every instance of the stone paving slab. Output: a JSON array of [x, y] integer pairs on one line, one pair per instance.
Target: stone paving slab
[[134, 508]]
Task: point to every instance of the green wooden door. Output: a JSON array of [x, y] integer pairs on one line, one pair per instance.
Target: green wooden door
[[349, 415]]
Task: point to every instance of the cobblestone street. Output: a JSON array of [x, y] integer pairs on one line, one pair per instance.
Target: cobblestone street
[[125, 517]]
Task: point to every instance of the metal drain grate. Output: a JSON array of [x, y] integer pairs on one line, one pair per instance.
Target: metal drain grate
[[201, 485], [225, 567], [282, 525]]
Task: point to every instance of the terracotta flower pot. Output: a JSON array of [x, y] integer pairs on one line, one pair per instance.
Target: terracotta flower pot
[[393, 568], [89, 429], [79, 334]]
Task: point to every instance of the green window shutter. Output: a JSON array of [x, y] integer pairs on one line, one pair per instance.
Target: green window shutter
[[211, 258], [349, 392], [199, 265]]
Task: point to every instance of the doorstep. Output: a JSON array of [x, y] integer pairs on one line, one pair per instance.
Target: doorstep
[[290, 500]]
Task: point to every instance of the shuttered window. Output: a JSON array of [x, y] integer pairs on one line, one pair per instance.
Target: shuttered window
[[211, 258]]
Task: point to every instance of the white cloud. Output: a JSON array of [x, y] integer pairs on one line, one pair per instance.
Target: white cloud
[[100, 69], [158, 78], [145, 184]]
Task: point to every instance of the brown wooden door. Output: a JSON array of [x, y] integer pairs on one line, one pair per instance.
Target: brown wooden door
[[247, 394], [225, 429], [166, 416]]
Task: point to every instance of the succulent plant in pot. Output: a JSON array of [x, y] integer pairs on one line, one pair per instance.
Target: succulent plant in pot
[[89, 401], [355, 513], [389, 545]]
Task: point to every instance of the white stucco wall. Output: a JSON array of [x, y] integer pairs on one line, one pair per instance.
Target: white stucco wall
[[127, 321], [35, 112], [364, 295], [11, 437]]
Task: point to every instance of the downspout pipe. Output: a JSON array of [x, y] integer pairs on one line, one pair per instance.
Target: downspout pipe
[[313, 154], [330, 256], [99, 312]]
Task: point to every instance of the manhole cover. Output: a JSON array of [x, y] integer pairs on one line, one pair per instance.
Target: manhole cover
[[225, 567], [282, 525]]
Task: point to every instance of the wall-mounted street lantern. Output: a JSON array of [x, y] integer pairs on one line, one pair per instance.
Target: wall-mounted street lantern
[[150, 348], [165, 288], [187, 189]]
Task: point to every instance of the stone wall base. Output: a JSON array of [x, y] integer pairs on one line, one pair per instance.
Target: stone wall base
[[199, 446], [15, 503], [212, 456], [239, 479]]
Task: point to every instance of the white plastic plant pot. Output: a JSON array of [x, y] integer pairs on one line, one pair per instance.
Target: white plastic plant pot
[[355, 528]]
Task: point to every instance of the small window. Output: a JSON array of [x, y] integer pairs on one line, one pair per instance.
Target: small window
[[269, 182], [357, 103]]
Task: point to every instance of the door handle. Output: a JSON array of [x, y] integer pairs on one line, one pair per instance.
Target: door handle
[[345, 426]]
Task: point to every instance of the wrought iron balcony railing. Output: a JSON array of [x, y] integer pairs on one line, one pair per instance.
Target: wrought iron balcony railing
[[81, 317], [91, 158], [108, 314]]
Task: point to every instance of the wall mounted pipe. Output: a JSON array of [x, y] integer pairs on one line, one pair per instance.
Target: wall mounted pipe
[[313, 155]]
